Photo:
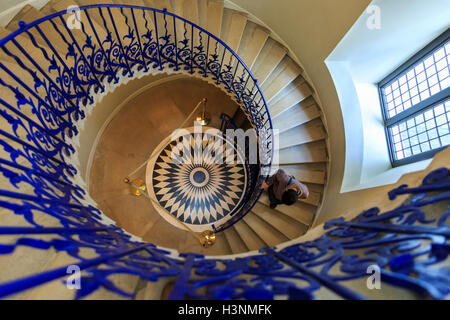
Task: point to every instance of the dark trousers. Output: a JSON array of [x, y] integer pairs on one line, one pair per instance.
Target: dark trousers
[[272, 198]]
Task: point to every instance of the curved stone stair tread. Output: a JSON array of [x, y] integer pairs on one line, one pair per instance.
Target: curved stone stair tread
[[307, 172], [9, 96], [157, 4], [61, 5], [300, 113], [24, 41], [248, 236], [253, 39], [285, 72], [126, 282], [233, 25], [304, 133], [315, 194], [270, 56], [236, 243], [210, 15], [286, 225], [34, 53], [3, 55], [29, 14], [305, 153], [299, 211], [139, 3], [291, 94], [41, 261], [95, 16], [32, 260], [187, 9], [269, 235], [57, 289]]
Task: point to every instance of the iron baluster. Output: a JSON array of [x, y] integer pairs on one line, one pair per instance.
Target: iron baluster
[[138, 35], [120, 42], [157, 41], [100, 85]]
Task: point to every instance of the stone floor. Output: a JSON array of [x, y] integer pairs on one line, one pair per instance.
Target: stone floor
[[130, 138], [198, 179]]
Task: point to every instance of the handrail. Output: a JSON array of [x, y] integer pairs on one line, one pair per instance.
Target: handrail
[[24, 27]]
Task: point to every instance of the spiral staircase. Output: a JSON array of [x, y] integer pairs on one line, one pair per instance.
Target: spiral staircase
[[49, 54]]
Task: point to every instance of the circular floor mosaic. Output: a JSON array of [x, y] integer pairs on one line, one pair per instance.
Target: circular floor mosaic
[[196, 183]]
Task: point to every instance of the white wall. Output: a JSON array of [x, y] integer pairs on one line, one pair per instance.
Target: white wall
[[9, 8], [370, 54]]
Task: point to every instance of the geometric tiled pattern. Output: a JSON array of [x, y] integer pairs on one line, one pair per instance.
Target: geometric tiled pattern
[[197, 190]]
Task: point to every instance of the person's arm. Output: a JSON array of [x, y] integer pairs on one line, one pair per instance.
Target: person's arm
[[304, 190]]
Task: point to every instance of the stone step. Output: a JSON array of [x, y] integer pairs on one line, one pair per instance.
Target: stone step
[[304, 133], [249, 237], [236, 243], [29, 14], [210, 15], [307, 172], [78, 34], [139, 3], [268, 59], [233, 25], [159, 4], [187, 9], [264, 230], [289, 227], [294, 93], [126, 282], [285, 73], [94, 14], [299, 211], [54, 290], [305, 153], [315, 194], [252, 42], [10, 97], [298, 114]]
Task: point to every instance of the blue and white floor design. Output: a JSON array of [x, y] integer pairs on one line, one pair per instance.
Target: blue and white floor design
[[197, 191]]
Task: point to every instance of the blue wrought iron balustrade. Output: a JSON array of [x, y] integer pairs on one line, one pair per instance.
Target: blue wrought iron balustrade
[[51, 74], [409, 246]]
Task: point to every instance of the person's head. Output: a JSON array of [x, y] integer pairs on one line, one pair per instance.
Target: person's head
[[289, 197]]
